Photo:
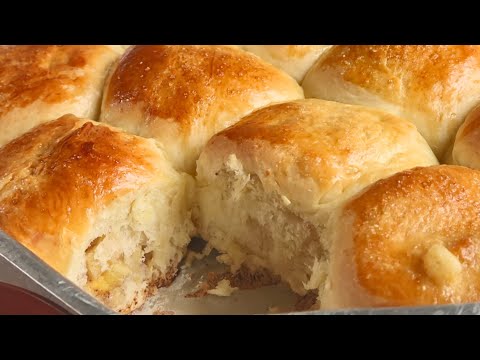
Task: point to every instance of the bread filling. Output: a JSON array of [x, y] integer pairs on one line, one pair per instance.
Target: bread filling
[[138, 266], [259, 229], [116, 276], [135, 247]]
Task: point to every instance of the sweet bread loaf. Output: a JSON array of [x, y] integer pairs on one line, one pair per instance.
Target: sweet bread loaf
[[432, 86], [339, 194], [267, 185], [182, 95], [410, 239], [102, 207]]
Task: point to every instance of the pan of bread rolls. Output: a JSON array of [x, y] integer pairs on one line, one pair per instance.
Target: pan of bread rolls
[[221, 179]]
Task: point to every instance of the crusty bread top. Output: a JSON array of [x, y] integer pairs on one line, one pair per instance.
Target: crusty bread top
[[51, 74], [39, 83], [432, 86], [412, 239], [181, 83], [55, 178], [185, 94], [317, 151], [433, 65]]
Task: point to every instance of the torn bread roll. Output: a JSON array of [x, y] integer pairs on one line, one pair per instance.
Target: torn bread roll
[[432, 86], [182, 95], [39, 83], [295, 60], [266, 186], [411, 239], [102, 207]]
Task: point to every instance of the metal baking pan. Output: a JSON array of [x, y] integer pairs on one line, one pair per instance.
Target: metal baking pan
[[22, 268]]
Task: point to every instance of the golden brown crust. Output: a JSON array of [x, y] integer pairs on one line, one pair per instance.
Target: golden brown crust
[[30, 73], [432, 86], [377, 66], [54, 179], [315, 151], [414, 239], [187, 93], [183, 83], [49, 78]]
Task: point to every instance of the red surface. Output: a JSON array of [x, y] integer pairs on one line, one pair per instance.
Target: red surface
[[17, 301]]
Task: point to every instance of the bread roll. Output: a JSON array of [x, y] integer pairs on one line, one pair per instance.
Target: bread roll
[[182, 95], [432, 86], [266, 186], [466, 150], [295, 60], [102, 207], [411, 239], [40, 83]]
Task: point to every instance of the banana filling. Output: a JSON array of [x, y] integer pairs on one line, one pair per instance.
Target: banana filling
[[118, 271]]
